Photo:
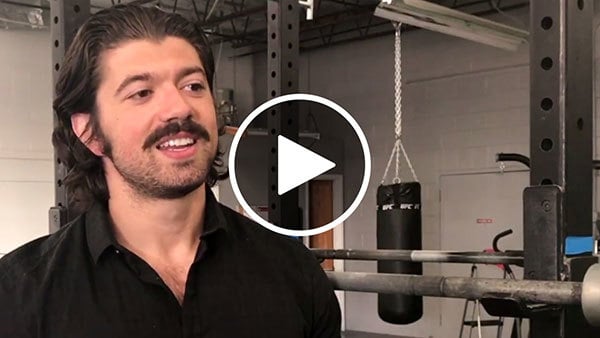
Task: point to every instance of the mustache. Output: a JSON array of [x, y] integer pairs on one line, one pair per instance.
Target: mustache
[[175, 127]]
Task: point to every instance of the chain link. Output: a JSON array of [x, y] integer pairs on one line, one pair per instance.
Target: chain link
[[398, 82], [398, 146]]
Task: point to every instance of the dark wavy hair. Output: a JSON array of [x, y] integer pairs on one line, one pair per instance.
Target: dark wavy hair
[[78, 81]]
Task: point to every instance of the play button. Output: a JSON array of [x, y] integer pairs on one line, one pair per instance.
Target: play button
[[297, 165]]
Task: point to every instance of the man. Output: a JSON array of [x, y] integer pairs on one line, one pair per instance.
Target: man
[[154, 254]]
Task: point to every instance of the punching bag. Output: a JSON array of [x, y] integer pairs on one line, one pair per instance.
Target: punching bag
[[399, 228]]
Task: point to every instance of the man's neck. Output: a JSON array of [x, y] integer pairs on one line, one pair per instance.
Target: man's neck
[[165, 230]]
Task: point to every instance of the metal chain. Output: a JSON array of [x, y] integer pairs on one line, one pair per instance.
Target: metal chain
[[398, 146], [387, 167], [397, 178], [412, 170], [398, 83]]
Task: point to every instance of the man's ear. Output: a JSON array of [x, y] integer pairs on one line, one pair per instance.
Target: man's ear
[[80, 124]]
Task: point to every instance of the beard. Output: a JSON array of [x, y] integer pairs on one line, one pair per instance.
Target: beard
[[150, 178]]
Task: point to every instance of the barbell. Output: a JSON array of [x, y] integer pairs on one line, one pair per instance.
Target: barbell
[[586, 293], [512, 258]]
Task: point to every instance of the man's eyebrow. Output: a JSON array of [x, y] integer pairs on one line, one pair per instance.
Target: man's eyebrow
[[189, 71], [132, 78]]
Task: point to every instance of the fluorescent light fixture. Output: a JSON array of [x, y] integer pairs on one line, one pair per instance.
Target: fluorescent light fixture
[[441, 19], [310, 7]]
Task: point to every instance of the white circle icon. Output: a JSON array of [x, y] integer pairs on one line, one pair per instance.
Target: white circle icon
[[299, 97]]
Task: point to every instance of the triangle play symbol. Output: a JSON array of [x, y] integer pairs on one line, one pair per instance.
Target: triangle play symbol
[[296, 165]]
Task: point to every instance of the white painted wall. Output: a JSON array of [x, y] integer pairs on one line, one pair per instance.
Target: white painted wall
[[236, 73], [26, 164], [462, 103], [466, 199]]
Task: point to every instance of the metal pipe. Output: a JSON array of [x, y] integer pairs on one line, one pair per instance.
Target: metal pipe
[[432, 256], [235, 15], [510, 157], [265, 132], [527, 291]]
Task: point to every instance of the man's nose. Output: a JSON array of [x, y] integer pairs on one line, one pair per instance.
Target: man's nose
[[174, 105]]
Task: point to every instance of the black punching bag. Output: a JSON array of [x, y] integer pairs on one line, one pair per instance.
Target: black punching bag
[[399, 228]]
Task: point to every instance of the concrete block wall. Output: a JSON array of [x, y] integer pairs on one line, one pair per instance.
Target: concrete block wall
[[26, 163], [235, 73], [462, 103]]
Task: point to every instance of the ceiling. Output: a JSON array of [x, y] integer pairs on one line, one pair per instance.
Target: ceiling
[[242, 23]]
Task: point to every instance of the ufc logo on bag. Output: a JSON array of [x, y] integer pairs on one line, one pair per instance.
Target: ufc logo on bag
[[403, 206]]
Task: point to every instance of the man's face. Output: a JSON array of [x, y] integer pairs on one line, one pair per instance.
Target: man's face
[[157, 116]]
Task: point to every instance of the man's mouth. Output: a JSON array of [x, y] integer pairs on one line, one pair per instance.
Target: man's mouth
[[176, 143]]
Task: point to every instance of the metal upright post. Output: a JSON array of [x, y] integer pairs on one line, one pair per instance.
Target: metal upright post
[[282, 74], [66, 17], [559, 203]]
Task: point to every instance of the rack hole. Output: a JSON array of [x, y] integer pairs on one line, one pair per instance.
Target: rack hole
[[547, 22], [547, 144], [546, 104], [547, 63]]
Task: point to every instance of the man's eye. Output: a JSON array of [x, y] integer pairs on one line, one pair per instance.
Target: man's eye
[[194, 87], [141, 94]]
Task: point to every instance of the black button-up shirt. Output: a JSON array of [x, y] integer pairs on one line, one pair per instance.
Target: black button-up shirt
[[246, 281]]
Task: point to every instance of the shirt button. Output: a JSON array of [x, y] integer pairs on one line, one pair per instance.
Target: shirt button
[[117, 251]]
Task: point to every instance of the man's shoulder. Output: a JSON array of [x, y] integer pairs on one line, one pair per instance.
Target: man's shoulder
[[34, 257]]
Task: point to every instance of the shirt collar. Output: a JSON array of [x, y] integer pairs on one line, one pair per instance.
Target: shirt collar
[[100, 234]]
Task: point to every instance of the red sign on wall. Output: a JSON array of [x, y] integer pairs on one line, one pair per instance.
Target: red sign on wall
[[485, 221]]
